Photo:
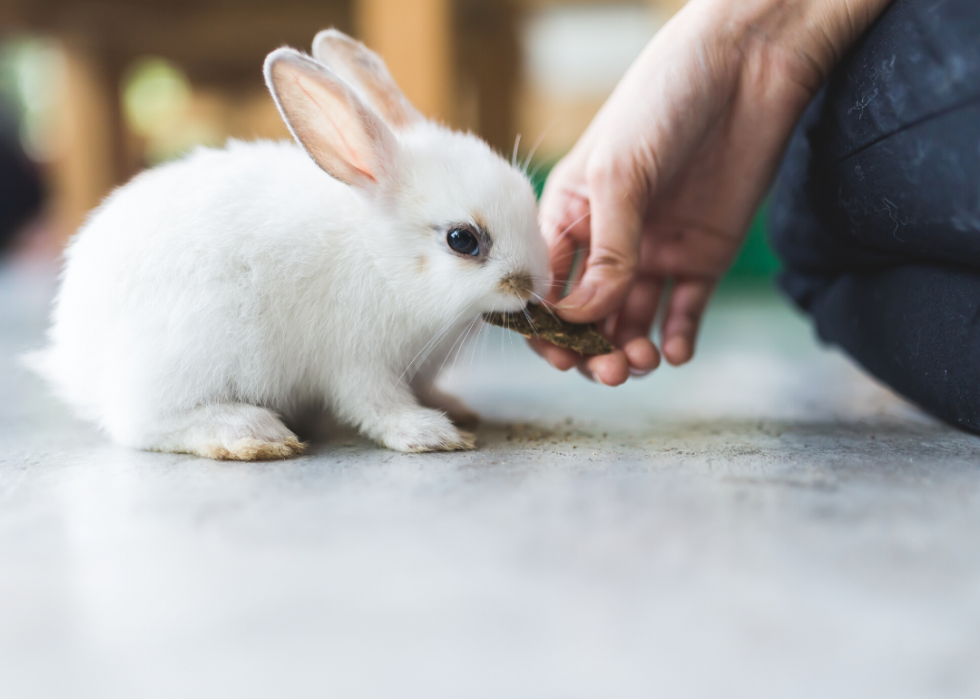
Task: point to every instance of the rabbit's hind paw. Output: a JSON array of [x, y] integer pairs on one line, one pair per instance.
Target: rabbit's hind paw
[[248, 449]]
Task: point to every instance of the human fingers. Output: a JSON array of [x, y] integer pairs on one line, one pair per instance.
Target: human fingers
[[564, 218], [558, 357], [608, 369], [642, 356], [565, 242], [615, 210], [634, 323], [685, 309]]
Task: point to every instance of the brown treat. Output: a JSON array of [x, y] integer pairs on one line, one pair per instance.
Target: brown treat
[[539, 322]]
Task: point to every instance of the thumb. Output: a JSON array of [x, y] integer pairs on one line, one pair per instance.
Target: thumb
[[617, 206]]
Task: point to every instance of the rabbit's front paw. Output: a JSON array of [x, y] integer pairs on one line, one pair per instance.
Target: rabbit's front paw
[[426, 430]]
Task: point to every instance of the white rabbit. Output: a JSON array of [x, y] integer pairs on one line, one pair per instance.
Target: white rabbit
[[214, 297]]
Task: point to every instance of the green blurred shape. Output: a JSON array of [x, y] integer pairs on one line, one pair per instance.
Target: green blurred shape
[[31, 79], [539, 173], [155, 93], [756, 258]]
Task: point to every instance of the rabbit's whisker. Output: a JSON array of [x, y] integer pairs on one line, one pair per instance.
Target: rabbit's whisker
[[548, 305], [570, 227], [573, 253], [506, 327], [431, 342], [530, 321], [466, 338], [453, 346], [544, 282], [425, 358], [486, 336], [476, 342], [537, 143]]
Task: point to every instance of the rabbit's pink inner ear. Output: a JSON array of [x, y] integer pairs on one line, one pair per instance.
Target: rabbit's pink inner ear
[[335, 128], [364, 68]]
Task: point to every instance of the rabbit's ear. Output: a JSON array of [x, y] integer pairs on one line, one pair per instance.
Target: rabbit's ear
[[341, 133], [363, 68]]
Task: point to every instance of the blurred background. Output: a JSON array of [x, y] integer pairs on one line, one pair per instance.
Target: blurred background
[[92, 91]]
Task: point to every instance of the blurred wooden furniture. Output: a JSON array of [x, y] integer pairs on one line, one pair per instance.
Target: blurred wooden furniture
[[220, 44], [457, 60]]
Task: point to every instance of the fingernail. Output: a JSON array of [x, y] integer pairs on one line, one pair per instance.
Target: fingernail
[[578, 298], [678, 349], [595, 377], [637, 373]]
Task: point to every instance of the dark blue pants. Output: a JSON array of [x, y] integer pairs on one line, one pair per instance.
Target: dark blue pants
[[876, 213]]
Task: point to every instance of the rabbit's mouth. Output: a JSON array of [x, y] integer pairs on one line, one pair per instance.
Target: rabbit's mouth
[[519, 284]]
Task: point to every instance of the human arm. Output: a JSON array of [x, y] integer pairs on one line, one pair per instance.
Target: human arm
[[664, 182]]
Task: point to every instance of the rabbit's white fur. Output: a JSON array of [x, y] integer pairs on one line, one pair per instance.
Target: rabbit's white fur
[[213, 296]]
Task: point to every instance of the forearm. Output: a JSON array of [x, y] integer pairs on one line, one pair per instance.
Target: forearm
[[768, 56], [806, 38]]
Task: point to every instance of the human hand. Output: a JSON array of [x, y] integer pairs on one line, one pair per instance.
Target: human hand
[[663, 184]]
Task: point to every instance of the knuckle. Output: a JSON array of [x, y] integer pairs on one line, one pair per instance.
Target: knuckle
[[608, 173], [613, 262], [690, 315], [604, 172]]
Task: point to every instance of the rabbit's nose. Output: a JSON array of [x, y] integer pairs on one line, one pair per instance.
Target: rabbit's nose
[[520, 284]]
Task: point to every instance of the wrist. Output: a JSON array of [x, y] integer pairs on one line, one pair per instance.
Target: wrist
[[801, 39]]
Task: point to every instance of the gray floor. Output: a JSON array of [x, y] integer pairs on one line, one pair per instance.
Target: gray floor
[[763, 523]]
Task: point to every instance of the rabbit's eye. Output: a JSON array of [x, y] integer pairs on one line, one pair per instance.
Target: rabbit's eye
[[463, 241]]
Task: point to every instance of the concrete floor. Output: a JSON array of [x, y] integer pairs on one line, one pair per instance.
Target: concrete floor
[[764, 523]]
